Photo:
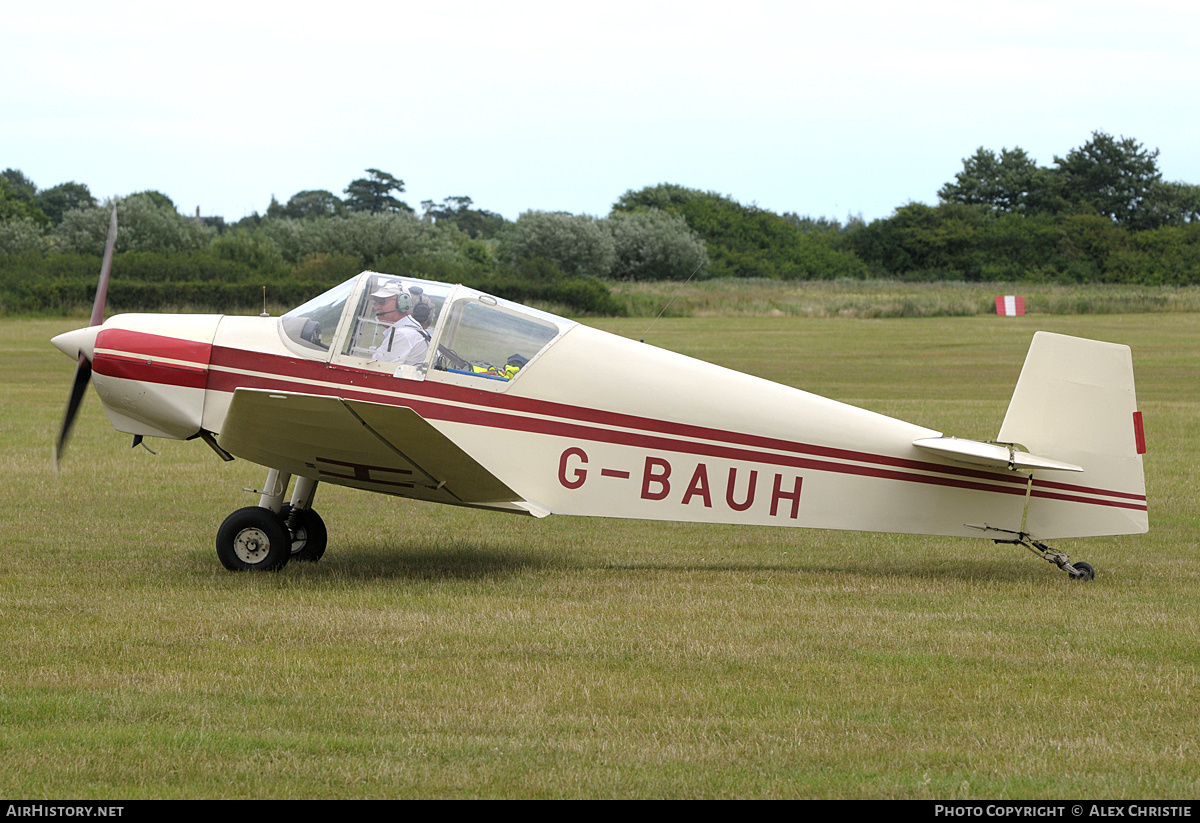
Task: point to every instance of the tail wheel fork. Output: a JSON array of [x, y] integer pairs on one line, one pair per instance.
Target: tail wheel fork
[[1077, 570]]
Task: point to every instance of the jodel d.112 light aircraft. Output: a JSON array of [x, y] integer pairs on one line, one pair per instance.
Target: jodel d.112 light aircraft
[[499, 406]]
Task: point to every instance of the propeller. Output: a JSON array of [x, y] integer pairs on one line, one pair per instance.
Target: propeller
[[83, 369]]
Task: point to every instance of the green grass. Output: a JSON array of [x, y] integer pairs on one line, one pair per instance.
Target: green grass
[[438, 652]]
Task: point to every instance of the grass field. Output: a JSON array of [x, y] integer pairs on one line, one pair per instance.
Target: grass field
[[437, 652]]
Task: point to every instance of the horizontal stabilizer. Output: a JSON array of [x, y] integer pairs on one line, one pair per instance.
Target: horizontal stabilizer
[[993, 455]]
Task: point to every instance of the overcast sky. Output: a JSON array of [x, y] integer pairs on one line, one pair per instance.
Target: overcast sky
[[823, 109]]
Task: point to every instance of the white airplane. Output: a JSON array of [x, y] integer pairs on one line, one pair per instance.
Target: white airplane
[[508, 408]]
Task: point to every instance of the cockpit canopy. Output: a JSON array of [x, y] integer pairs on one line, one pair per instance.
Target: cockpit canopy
[[469, 333]]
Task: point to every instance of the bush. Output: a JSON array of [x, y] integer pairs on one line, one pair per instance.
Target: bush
[[21, 236], [249, 248], [143, 225], [745, 241], [651, 244], [326, 268], [538, 280], [371, 237], [367, 237], [580, 246]]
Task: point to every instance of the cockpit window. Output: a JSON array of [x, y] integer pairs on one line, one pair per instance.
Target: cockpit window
[[484, 338], [313, 325], [423, 300], [418, 328]]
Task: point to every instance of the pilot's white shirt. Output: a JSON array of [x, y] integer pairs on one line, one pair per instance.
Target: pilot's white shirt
[[406, 342]]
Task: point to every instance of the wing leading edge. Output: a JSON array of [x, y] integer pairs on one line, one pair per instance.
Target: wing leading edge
[[370, 446]]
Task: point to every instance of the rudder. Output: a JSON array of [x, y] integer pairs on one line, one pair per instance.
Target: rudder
[[1075, 402]]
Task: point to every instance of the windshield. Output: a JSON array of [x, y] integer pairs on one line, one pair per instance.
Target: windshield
[[314, 324]]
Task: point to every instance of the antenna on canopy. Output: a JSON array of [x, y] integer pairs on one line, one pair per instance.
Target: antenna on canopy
[[678, 289], [264, 311]]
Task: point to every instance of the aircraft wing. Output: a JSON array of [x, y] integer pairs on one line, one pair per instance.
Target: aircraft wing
[[371, 446]]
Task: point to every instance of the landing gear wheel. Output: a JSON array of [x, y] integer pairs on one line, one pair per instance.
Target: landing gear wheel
[[253, 539], [308, 533], [1083, 571]]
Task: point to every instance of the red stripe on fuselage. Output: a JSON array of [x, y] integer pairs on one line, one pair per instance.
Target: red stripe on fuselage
[[153, 345], [133, 355], [276, 368], [432, 400], [148, 371]]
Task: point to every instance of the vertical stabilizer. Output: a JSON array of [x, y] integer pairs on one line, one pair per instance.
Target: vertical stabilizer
[[1075, 402]]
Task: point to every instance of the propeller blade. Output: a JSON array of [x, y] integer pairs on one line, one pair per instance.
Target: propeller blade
[[83, 375], [83, 369], [105, 268]]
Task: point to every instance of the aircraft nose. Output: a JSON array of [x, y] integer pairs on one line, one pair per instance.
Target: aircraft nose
[[75, 343]]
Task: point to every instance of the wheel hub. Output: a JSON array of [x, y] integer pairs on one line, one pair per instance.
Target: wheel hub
[[299, 538], [251, 545]]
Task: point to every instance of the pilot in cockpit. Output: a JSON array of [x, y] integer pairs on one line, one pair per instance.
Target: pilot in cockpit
[[405, 341]]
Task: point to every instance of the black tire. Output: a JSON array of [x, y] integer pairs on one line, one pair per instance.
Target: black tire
[[309, 535], [1083, 571], [253, 539]]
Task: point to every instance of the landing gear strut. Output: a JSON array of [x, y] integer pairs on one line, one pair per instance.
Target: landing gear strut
[[308, 533], [265, 537]]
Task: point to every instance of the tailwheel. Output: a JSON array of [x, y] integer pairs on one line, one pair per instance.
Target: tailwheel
[[254, 539], [1078, 570], [1083, 571], [308, 533]]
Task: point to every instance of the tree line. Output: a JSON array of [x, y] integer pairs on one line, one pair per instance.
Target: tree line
[[1101, 213]]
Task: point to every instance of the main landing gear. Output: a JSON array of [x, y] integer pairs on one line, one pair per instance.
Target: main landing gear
[[265, 537]]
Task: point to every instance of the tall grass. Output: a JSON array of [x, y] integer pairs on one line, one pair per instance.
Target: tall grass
[[889, 298], [438, 652]]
